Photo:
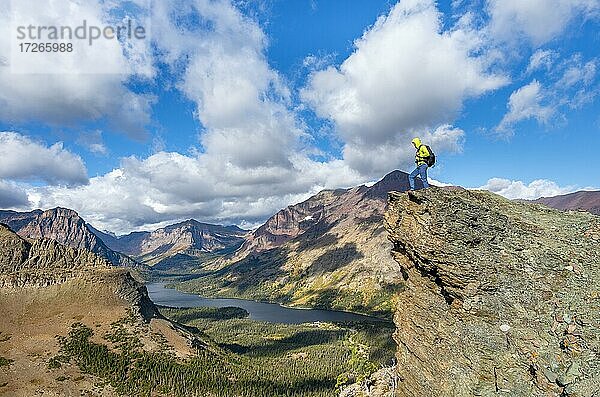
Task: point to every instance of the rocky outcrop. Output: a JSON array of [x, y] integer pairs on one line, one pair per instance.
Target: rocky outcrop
[[64, 226], [382, 383], [132, 292], [501, 298], [579, 201], [189, 239]]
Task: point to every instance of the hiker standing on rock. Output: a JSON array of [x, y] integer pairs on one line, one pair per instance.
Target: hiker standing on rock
[[424, 159]]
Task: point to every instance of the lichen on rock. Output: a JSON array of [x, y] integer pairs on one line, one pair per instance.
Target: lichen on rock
[[501, 298]]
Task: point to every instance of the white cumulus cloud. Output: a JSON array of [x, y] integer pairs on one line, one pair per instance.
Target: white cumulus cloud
[[23, 159], [405, 75], [570, 84], [539, 21], [519, 190], [541, 59], [71, 94], [240, 100], [525, 103]]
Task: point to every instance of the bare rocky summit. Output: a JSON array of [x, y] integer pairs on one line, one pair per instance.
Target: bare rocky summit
[[64, 226], [501, 298]]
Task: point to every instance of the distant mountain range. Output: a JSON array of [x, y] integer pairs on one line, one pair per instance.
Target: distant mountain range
[[64, 226], [181, 243], [330, 251], [176, 244], [579, 201]]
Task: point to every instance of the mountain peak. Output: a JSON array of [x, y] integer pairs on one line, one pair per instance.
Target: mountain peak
[[64, 226], [61, 211], [394, 181], [194, 224], [186, 239]]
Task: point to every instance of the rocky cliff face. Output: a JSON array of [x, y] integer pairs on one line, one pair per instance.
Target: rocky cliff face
[[41, 262], [325, 207], [38, 263], [290, 222], [501, 298], [330, 251], [578, 201], [186, 240], [64, 226]]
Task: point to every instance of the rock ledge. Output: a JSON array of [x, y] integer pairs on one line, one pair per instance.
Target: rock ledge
[[501, 298]]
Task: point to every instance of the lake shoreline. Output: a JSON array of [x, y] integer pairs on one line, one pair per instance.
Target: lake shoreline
[[383, 319], [259, 310]]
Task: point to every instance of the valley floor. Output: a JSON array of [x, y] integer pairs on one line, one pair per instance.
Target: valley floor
[[234, 356], [79, 339]]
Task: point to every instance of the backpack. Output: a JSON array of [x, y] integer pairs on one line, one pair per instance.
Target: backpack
[[431, 159]]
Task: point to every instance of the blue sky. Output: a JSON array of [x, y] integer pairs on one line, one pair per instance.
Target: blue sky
[[229, 111]]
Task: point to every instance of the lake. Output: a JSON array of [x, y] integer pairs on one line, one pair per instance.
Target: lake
[[260, 311]]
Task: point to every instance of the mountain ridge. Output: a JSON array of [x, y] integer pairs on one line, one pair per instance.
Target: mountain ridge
[[185, 240], [328, 251], [584, 200], [43, 262], [65, 226], [295, 219], [188, 239]]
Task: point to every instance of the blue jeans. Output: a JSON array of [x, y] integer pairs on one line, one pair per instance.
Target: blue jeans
[[422, 171]]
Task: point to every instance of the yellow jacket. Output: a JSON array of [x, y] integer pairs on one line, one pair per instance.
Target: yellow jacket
[[422, 152]]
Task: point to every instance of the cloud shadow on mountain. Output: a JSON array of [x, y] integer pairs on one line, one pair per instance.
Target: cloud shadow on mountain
[[335, 259]]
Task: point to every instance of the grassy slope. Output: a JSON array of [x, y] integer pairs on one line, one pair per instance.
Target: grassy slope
[[31, 318]]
